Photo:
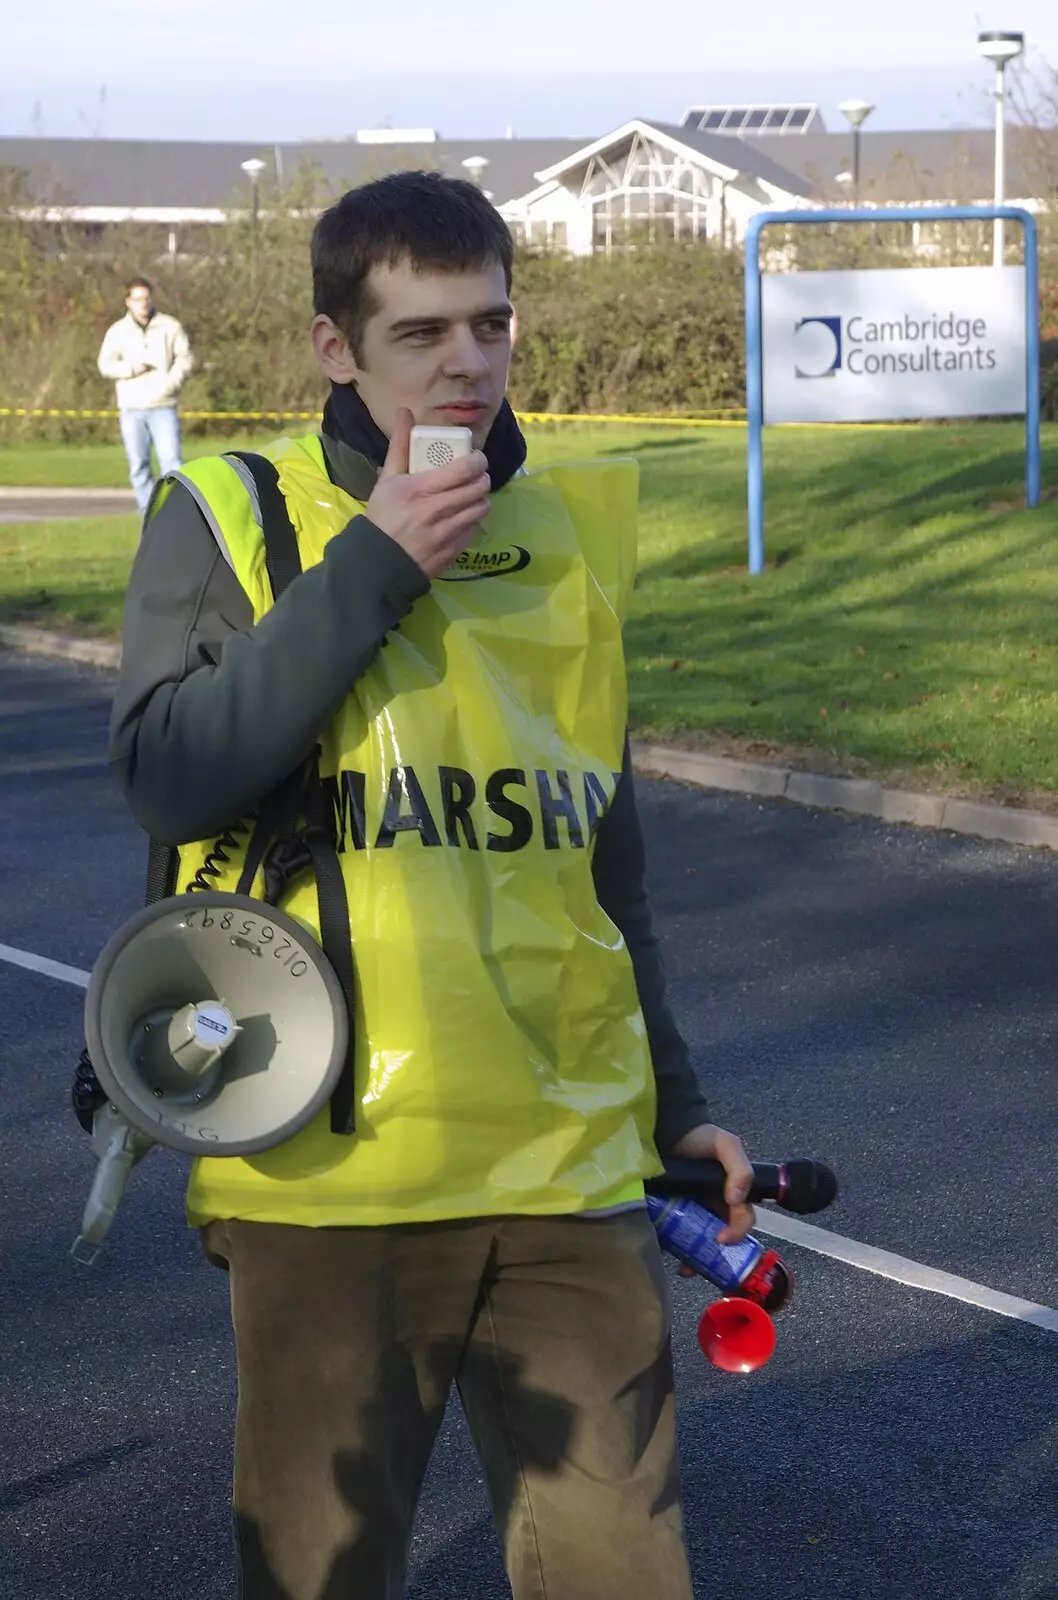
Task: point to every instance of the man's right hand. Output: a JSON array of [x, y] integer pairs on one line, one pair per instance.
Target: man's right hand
[[432, 515]]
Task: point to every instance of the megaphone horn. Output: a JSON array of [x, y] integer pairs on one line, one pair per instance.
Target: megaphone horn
[[216, 1026]]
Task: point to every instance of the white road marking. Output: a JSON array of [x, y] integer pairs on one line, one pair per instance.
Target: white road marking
[[50, 969], [782, 1226], [779, 1224]]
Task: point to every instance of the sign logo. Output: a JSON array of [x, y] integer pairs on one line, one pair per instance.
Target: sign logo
[[472, 564], [818, 347], [895, 343]]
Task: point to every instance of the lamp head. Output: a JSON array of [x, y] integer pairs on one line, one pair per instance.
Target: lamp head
[[253, 168], [1000, 47], [855, 111], [474, 167]]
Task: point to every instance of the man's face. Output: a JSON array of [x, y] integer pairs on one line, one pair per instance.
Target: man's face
[[438, 343], [140, 304]]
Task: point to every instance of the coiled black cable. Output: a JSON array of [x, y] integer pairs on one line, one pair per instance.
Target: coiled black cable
[[218, 858]]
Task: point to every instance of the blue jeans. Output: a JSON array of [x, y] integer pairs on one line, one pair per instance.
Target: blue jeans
[[141, 429]]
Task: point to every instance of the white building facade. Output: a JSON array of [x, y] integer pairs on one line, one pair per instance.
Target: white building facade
[[651, 181]]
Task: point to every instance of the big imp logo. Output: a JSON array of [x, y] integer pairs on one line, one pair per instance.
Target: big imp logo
[[818, 347], [471, 564]]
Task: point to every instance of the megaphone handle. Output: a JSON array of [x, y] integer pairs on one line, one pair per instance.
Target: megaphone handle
[[124, 1148]]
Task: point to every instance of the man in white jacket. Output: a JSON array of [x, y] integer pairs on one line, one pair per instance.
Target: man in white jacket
[[148, 356]]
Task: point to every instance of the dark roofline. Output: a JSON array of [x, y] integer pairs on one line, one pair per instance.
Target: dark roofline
[[754, 162]]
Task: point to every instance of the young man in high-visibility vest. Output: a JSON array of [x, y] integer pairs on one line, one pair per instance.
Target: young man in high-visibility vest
[[452, 648]]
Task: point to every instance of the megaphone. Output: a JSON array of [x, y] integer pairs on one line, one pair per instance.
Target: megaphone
[[216, 1026], [736, 1335]]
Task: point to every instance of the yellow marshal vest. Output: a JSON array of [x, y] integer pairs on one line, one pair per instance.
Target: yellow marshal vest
[[501, 1056]]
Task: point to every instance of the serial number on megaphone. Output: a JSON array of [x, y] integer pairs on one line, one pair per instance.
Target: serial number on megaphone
[[255, 938]]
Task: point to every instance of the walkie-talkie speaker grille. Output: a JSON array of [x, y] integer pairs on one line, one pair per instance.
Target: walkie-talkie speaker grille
[[284, 1062], [439, 453]]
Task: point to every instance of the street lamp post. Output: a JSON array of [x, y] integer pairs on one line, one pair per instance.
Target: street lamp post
[[253, 169], [1000, 48], [855, 113]]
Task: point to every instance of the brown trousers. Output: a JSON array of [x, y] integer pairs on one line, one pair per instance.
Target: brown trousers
[[556, 1331]]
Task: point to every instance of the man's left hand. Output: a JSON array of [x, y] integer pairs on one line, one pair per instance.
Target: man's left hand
[[709, 1140]]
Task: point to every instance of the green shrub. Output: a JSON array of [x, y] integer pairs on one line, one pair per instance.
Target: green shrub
[[1049, 379], [654, 328]]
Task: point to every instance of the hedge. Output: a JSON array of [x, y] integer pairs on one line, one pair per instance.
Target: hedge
[[650, 329]]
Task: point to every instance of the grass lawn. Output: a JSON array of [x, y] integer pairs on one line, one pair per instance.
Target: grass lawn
[[905, 627], [70, 575], [91, 466]]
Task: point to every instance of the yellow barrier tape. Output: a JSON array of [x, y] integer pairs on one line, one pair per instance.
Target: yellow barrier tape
[[702, 419], [732, 419], [194, 416], [38, 411], [713, 420]]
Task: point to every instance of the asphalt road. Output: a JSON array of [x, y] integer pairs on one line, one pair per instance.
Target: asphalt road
[[16, 506], [878, 997]]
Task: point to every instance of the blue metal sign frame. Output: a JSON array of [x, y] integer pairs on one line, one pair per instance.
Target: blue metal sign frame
[[755, 336]]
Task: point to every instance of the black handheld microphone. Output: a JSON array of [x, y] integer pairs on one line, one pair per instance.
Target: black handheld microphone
[[799, 1185]]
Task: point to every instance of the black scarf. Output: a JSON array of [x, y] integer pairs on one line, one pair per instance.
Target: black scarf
[[346, 417]]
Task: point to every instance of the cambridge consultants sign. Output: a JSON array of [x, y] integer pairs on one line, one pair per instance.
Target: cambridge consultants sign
[[884, 346]]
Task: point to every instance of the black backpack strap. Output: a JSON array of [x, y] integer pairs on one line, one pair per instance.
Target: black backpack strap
[[280, 540], [277, 815], [162, 866], [277, 842], [332, 903], [284, 564]]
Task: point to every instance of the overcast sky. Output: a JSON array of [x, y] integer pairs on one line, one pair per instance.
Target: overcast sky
[[251, 69]]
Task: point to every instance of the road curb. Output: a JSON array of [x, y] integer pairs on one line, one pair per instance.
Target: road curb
[[36, 492], [38, 642], [858, 795]]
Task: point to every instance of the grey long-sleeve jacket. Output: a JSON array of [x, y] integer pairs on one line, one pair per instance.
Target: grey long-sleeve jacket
[[211, 712]]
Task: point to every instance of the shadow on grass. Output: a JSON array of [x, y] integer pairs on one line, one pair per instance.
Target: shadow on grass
[[839, 486], [819, 492], [690, 441], [884, 618], [91, 613]]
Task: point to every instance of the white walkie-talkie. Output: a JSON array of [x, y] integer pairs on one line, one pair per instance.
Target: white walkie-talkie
[[436, 447]]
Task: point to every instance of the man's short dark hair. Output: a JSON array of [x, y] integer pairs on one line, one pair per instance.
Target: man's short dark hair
[[139, 283], [439, 224]]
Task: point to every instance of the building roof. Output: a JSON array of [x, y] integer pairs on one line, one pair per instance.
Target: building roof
[[935, 165], [731, 154], [753, 156], [191, 174]]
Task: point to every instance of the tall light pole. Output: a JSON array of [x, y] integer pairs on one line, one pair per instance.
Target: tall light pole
[[253, 170], [1000, 48], [855, 113]]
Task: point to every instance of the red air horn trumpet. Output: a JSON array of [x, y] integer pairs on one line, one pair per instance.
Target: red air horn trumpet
[[736, 1333]]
